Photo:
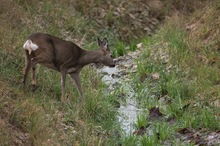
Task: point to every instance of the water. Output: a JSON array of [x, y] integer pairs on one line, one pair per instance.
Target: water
[[128, 112], [128, 116]]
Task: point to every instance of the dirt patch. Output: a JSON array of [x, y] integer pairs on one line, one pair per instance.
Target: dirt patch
[[154, 113], [16, 135], [11, 133]]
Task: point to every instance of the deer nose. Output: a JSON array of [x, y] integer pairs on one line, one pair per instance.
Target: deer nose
[[113, 65]]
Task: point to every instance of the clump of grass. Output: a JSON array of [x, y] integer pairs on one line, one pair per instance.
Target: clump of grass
[[141, 121], [148, 141], [130, 141], [119, 49], [162, 131]]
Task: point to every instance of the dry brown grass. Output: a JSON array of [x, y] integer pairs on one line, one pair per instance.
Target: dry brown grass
[[206, 27], [22, 120]]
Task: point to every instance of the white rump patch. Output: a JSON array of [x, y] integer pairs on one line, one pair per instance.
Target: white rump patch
[[30, 46]]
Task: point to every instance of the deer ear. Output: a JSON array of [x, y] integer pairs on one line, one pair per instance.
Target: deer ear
[[105, 43], [99, 42]]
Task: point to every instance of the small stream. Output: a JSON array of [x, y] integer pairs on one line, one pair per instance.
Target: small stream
[[118, 77]]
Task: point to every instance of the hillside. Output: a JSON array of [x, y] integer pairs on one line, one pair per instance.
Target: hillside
[[179, 66]]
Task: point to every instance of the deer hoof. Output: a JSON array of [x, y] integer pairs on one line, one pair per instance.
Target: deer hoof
[[33, 87]]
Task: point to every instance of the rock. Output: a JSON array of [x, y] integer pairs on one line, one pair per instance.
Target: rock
[[115, 76], [156, 76], [139, 46], [123, 72]]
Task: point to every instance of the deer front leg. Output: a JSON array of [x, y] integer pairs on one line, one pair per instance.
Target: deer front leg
[[76, 79], [26, 71]]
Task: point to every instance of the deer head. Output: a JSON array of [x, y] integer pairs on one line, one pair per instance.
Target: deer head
[[107, 58]]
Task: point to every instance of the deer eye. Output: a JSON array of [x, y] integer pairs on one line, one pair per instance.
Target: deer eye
[[111, 56]]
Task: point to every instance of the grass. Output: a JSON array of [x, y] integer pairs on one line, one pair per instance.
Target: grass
[[141, 121], [41, 115], [187, 87], [188, 83], [43, 110]]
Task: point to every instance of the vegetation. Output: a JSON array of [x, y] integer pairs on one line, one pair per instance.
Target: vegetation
[[40, 118], [184, 51]]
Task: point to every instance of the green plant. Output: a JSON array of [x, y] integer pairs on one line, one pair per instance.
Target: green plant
[[148, 141], [119, 49], [130, 141], [162, 131], [141, 121]]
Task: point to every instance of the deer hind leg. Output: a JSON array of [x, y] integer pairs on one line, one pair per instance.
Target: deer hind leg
[[34, 62], [30, 63], [27, 69]]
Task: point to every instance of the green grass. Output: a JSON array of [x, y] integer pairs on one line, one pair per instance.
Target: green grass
[[141, 121], [187, 62], [187, 86]]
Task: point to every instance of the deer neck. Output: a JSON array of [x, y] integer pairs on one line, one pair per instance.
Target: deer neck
[[94, 56]]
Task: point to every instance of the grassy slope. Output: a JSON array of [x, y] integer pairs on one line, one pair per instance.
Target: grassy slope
[[190, 76], [40, 118], [185, 53]]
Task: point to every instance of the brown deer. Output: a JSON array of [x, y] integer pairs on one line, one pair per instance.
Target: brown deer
[[63, 56]]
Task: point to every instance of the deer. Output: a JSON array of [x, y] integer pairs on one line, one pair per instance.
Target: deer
[[63, 56]]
